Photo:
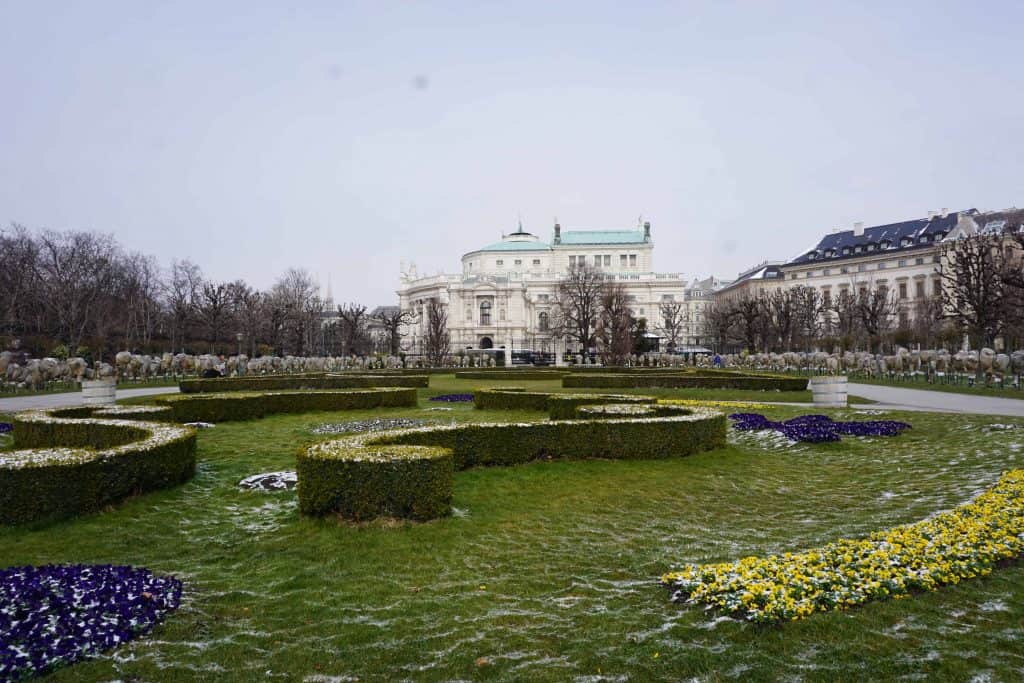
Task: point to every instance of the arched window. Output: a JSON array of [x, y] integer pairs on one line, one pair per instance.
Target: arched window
[[542, 321], [485, 312]]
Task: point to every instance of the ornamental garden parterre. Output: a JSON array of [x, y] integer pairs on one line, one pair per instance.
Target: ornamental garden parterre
[[393, 468]]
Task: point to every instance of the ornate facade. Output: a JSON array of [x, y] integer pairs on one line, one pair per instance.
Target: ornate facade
[[504, 295]]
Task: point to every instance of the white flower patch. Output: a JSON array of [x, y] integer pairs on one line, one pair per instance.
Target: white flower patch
[[154, 435], [200, 425]]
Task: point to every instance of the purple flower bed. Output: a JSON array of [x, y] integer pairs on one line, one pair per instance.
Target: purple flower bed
[[453, 398], [817, 428], [55, 615], [6, 427]]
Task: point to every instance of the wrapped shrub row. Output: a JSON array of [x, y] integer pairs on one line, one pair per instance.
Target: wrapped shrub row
[[291, 382], [250, 405], [684, 380], [329, 484], [65, 467], [525, 374], [558, 406]]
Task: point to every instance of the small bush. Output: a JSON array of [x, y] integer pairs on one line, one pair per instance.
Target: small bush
[[66, 467]]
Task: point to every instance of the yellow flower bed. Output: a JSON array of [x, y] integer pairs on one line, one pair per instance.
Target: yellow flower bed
[[959, 544], [712, 404]]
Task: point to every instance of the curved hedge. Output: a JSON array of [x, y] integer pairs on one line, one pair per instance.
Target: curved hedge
[[251, 405], [339, 477], [65, 466], [320, 381], [684, 380], [525, 374], [558, 406]]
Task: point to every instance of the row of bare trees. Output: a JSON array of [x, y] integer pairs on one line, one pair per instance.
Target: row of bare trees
[[80, 292], [982, 296]]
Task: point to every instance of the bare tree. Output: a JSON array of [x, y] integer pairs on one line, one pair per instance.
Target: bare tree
[[807, 315], [250, 312], [437, 341], [577, 304], [672, 325], [393, 322], [75, 270], [875, 310], [779, 317], [842, 316], [614, 326], [975, 289], [293, 299], [181, 292], [19, 254], [719, 319], [353, 329], [214, 311], [749, 316]]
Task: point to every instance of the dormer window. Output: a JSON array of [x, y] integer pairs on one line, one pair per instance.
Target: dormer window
[[857, 249], [906, 242], [846, 251], [871, 247], [812, 255], [829, 253], [885, 244]]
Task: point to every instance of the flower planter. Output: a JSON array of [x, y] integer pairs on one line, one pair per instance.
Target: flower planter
[[99, 392], [829, 391]]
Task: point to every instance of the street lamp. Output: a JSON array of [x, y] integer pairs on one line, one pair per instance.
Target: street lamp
[[238, 363]]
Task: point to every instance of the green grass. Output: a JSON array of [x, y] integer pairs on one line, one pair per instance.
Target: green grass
[[546, 571]]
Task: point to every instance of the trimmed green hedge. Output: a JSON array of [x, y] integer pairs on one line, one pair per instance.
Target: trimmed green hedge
[[251, 405], [684, 380], [65, 467], [308, 381], [620, 411], [525, 374], [412, 482], [558, 406], [327, 484]]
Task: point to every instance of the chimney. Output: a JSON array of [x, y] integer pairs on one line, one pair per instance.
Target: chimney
[[931, 214], [858, 228], [647, 231], [558, 233], [945, 212]]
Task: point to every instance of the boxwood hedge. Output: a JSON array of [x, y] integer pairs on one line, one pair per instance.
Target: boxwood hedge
[[327, 482], [525, 374], [318, 381], [250, 405], [65, 467], [684, 380], [558, 406]]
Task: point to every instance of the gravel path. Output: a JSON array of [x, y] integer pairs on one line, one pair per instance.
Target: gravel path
[[72, 398]]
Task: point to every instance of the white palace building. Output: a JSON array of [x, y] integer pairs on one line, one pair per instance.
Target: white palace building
[[504, 294]]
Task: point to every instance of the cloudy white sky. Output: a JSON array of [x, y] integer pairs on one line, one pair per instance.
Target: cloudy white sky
[[344, 137]]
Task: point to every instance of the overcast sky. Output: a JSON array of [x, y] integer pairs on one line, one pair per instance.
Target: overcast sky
[[343, 138]]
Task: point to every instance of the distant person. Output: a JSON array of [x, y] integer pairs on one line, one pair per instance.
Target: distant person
[[210, 374], [717, 361]]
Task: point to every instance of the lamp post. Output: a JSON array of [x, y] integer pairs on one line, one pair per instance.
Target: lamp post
[[238, 362]]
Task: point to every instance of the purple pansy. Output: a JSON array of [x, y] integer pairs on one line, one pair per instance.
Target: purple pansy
[[6, 427], [817, 428], [55, 615], [453, 398]]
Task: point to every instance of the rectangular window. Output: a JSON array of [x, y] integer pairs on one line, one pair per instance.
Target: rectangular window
[[844, 270], [919, 289], [902, 262], [792, 276], [622, 260], [519, 261], [827, 271], [499, 262], [668, 297], [903, 290], [607, 259], [536, 261], [937, 287], [861, 268], [826, 298], [881, 266], [572, 260], [632, 260], [919, 261]]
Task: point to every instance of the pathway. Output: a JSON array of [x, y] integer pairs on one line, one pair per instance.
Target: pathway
[[72, 398], [898, 398]]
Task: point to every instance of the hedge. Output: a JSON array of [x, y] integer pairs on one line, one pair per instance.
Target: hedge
[[307, 381], [558, 406], [681, 380], [329, 483], [250, 405], [525, 374], [65, 467], [614, 411], [412, 482]]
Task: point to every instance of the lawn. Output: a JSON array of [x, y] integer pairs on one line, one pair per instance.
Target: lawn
[[547, 571]]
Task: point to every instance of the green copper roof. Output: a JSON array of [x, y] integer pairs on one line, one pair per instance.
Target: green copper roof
[[603, 237], [516, 246]]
